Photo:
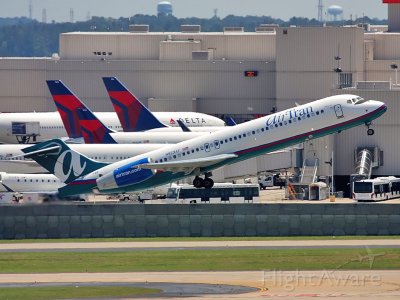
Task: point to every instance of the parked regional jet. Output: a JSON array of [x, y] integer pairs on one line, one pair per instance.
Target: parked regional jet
[[134, 116], [12, 161], [25, 128], [205, 153], [29, 183]]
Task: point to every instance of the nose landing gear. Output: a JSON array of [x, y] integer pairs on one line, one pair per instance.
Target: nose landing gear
[[370, 131]]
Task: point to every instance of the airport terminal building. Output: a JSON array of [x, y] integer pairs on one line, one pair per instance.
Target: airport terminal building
[[235, 73]]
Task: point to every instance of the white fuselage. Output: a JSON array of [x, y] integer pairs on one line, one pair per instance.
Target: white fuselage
[[249, 139], [100, 152], [41, 126], [155, 137], [29, 183]]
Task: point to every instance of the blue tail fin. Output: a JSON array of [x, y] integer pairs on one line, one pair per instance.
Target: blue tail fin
[[57, 158], [93, 130], [132, 114]]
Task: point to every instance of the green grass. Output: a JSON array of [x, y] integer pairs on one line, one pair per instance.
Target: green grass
[[183, 239], [72, 292], [196, 260]]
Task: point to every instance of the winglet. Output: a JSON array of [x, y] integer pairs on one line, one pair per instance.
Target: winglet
[[183, 126], [67, 104], [93, 130], [230, 121], [132, 114]]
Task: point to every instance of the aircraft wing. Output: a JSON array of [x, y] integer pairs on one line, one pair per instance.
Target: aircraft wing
[[188, 165]]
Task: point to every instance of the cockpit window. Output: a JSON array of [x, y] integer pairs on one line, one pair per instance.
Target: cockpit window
[[359, 100]]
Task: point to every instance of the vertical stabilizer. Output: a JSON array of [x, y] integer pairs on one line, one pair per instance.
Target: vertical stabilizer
[[93, 130], [132, 114], [57, 158], [67, 104]]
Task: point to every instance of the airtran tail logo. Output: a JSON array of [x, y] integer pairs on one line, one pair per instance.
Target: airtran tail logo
[[69, 164], [289, 115]]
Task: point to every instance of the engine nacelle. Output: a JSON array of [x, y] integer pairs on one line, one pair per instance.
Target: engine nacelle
[[126, 175]]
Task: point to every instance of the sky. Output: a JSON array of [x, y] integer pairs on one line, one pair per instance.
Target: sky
[[59, 10]]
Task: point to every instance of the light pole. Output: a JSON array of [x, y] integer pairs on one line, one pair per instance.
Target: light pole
[[338, 69], [395, 68]]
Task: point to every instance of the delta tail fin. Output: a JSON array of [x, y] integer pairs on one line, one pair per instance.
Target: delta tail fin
[[93, 130], [67, 104], [132, 114], [57, 158]]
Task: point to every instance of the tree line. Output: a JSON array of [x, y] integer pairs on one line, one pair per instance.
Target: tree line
[[23, 37]]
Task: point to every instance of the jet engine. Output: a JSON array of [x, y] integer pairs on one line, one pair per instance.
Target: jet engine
[[126, 175]]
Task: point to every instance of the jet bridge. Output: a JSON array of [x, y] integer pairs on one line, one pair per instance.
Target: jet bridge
[[366, 158]]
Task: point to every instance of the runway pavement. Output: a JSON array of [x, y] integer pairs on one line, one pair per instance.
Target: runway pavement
[[271, 284], [274, 284], [170, 245]]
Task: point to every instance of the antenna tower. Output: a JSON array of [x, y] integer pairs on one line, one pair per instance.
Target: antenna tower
[[320, 10], [44, 15], [71, 15], [215, 10], [30, 10]]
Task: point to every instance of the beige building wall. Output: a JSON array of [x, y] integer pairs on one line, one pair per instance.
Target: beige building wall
[[150, 46], [218, 87]]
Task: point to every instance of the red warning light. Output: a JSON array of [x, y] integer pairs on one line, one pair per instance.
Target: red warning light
[[250, 73]]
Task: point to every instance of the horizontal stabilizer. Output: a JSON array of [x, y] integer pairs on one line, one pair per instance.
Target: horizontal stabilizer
[[53, 149]]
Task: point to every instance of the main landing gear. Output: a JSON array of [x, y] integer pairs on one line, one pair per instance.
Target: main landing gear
[[370, 131], [207, 182]]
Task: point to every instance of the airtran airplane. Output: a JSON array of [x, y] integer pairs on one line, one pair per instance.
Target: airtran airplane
[[201, 155], [34, 127], [12, 161]]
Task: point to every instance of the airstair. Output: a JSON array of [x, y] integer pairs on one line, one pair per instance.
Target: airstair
[[309, 171]]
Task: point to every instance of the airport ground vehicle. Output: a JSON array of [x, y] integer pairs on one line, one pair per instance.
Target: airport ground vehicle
[[377, 189], [271, 180], [220, 192]]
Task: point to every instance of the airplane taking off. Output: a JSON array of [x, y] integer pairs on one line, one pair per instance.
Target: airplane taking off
[[26, 128], [12, 161], [134, 116], [205, 153]]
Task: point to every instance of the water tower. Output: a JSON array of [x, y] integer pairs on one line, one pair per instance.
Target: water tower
[[164, 8], [335, 11]]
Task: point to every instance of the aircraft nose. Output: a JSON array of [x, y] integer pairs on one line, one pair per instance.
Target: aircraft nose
[[376, 108]]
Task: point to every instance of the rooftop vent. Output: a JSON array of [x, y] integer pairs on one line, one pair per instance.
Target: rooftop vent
[[233, 29], [139, 28], [267, 28], [190, 28]]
